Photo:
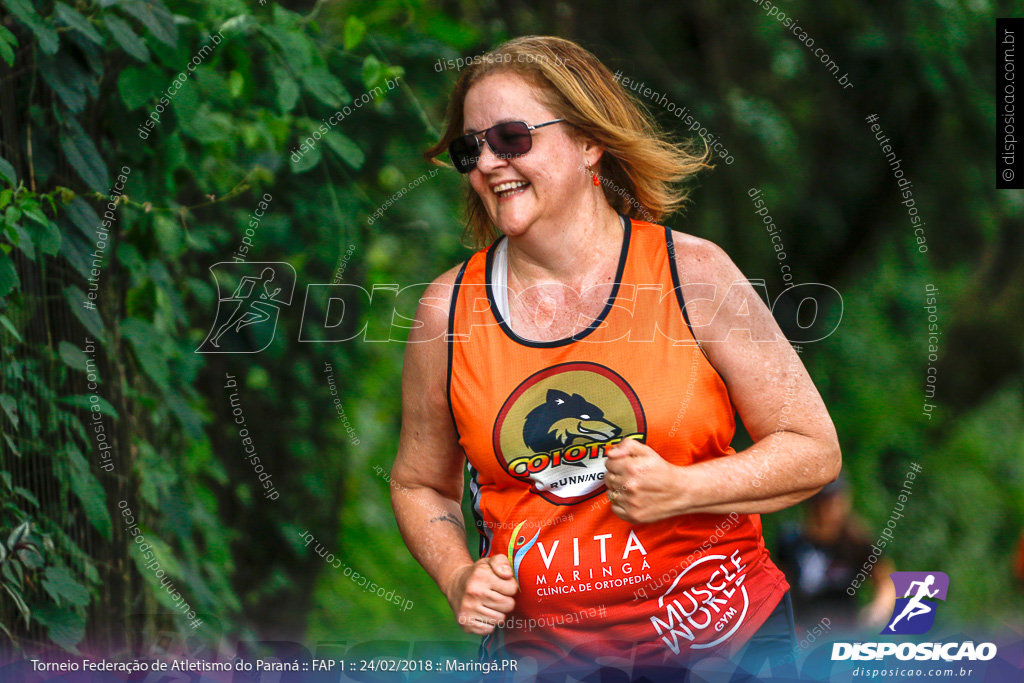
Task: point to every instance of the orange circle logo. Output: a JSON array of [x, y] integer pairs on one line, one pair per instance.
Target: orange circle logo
[[554, 428]]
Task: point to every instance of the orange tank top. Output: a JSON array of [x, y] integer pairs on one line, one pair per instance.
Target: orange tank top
[[535, 418]]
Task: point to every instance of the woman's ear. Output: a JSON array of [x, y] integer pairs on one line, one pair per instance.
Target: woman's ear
[[592, 152]]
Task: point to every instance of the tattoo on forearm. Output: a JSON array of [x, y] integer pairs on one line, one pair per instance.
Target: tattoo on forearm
[[448, 517]]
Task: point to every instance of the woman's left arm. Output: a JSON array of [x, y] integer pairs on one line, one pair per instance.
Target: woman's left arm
[[795, 450]]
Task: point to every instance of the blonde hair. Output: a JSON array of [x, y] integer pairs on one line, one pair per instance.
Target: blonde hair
[[639, 159]]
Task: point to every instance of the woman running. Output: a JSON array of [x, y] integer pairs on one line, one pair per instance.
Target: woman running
[[588, 363]]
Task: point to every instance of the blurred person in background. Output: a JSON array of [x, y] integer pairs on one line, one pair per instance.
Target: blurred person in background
[[823, 555]]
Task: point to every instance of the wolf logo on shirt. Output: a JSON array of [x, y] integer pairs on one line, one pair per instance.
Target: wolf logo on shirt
[[554, 429], [565, 420]]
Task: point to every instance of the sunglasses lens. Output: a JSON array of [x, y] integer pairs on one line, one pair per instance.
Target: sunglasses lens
[[464, 152], [510, 139]]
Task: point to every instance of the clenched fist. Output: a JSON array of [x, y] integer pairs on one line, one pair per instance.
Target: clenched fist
[[480, 594], [642, 486]]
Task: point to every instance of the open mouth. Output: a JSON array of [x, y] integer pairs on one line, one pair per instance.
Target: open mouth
[[510, 188]]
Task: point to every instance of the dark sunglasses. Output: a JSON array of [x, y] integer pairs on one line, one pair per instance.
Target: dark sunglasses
[[506, 140]]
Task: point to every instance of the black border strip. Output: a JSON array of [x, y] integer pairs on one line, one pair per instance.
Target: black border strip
[[671, 245], [449, 340], [623, 255]]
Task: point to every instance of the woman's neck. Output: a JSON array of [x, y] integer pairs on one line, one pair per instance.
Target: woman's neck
[[569, 252]]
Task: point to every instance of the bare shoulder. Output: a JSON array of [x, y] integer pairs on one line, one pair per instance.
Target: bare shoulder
[[435, 304], [702, 261], [444, 282], [719, 298]]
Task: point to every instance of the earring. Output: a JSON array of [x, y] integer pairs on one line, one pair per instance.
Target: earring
[[593, 175]]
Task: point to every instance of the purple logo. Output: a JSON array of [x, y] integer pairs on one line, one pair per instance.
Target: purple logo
[[914, 613]]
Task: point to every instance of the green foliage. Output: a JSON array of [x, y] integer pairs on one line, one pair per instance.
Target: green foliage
[[223, 139], [26, 577]]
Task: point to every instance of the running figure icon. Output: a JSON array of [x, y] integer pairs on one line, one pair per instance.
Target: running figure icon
[[916, 605], [246, 319], [250, 309]]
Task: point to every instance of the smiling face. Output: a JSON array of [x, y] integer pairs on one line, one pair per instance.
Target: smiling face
[[545, 184]]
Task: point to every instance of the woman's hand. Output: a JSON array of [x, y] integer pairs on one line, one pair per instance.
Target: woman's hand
[[480, 594], [642, 486]]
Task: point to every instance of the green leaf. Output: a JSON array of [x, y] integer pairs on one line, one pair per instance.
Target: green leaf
[[24, 240], [89, 492], [77, 252], [307, 161], [242, 23], [169, 236], [84, 157], [460, 35], [89, 317], [66, 628], [141, 301], [85, 403], [49, 42], [236, 83], [191, 420], [45, 233], [15, 573], [75, 20], [68, 79], [73, 356], [27, 495], [126, 37], [7, 171], [8, 41], [8, 276], [10, 406], [373, 72], [322, 85], [295, 47], [287, 88], [355, 29], [146, 342], [167, 561], [135, 84], [154, 16], [346, 149], [18, 601], [63, 588], [11, 215], [9, 326], [84, 217], [18, 534]]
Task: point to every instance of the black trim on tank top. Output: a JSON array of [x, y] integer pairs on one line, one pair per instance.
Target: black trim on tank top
[[449, 340], [623, 254], [671, 245]]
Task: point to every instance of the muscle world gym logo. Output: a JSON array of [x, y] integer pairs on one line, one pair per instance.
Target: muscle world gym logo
[[914, 614], [554, 429], [708, 613]]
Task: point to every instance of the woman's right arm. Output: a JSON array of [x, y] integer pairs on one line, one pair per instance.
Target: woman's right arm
[[426, 491]]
